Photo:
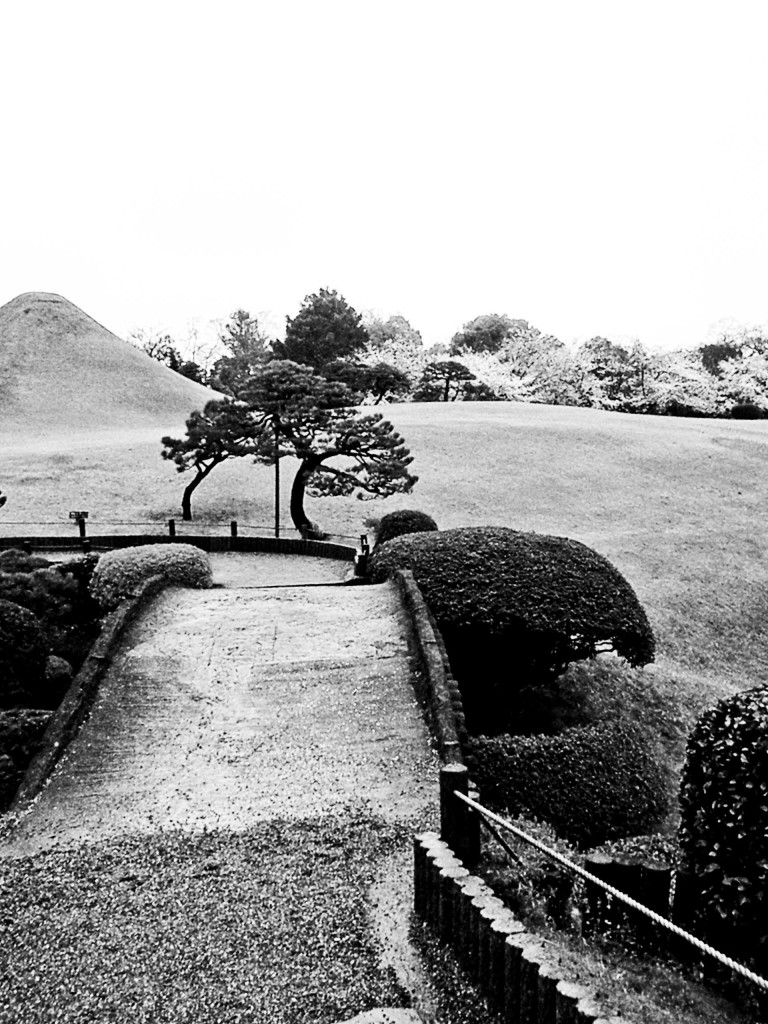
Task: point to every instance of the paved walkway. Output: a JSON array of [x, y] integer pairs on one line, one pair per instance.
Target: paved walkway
[[229, 706]]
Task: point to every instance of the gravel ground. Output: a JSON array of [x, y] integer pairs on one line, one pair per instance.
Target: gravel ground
[[272, 925], [268, 925]]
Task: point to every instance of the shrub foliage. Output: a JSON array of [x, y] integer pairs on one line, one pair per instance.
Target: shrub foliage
[[402, 522], [58, 596], [21, 731], [591, 783], [23, 653], [119, 572], [724, 823], [527, 602]]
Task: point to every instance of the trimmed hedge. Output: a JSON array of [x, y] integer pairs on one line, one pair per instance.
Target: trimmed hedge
[[16, 560], [724, 824], [23, 654], [591, 783], [515, 609], [119, 572], [401, 523]]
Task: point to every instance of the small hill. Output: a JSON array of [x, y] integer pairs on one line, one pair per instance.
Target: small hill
[[61, 372]]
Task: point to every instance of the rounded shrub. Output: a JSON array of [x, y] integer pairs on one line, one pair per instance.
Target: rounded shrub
[[747, 411], [120, 572], [590, 783], [724, 824], [402, 522], [16, 560], [515, 609], [23, 654]]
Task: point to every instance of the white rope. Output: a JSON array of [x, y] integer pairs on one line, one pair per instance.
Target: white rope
[[616, 893]]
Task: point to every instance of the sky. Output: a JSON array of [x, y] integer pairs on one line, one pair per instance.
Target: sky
[[591, 167]]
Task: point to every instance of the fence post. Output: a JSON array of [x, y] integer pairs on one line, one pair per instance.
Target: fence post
[[171, 527], [459, 824], [233, 529]]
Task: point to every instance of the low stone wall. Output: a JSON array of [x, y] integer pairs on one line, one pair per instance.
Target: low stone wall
[[437, 690], [78, 701], [510, 965]]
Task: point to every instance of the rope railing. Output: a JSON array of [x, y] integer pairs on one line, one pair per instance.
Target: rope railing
[[486, 815]]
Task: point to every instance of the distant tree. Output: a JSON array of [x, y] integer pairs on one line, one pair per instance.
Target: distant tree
[[314, 420], [396, 343], [247, 348], [610, 370], [394, 333], [223, 430], [485, 333], [716, 353], [376, 381], [744, 379], [163, 348], [325, 328], [444, 381]]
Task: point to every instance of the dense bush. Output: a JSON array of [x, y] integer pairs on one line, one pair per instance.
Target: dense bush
[[47, 593], [747, 411], [401, 522], [21, 731], [15, 560], [724, 823], [58, 595], [515, 609], [119, 572], [23, 653], [591, 783]]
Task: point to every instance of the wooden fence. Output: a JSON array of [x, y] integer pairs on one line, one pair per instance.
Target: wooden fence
[[233, 541], [520, 978]]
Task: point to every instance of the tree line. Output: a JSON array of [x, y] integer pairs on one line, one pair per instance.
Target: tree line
[[492, 358], [308, 396]]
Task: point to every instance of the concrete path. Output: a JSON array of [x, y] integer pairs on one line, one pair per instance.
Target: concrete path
[[229, 706]]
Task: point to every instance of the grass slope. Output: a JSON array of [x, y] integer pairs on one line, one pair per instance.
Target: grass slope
[[60, 370]]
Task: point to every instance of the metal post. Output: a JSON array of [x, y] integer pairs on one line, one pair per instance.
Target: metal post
[[277, 476], [233, 528], [81, 524], [171, 527]]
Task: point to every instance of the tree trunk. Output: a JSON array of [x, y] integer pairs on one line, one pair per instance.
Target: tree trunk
[[186, 501], [298, 515]]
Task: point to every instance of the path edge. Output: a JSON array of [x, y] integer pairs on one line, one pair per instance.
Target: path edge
[[437, 690], [79, 698]]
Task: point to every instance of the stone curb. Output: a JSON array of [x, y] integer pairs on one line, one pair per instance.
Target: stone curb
[[436, 689]]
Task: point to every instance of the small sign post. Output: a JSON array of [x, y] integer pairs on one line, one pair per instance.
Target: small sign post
[[80, 518]]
